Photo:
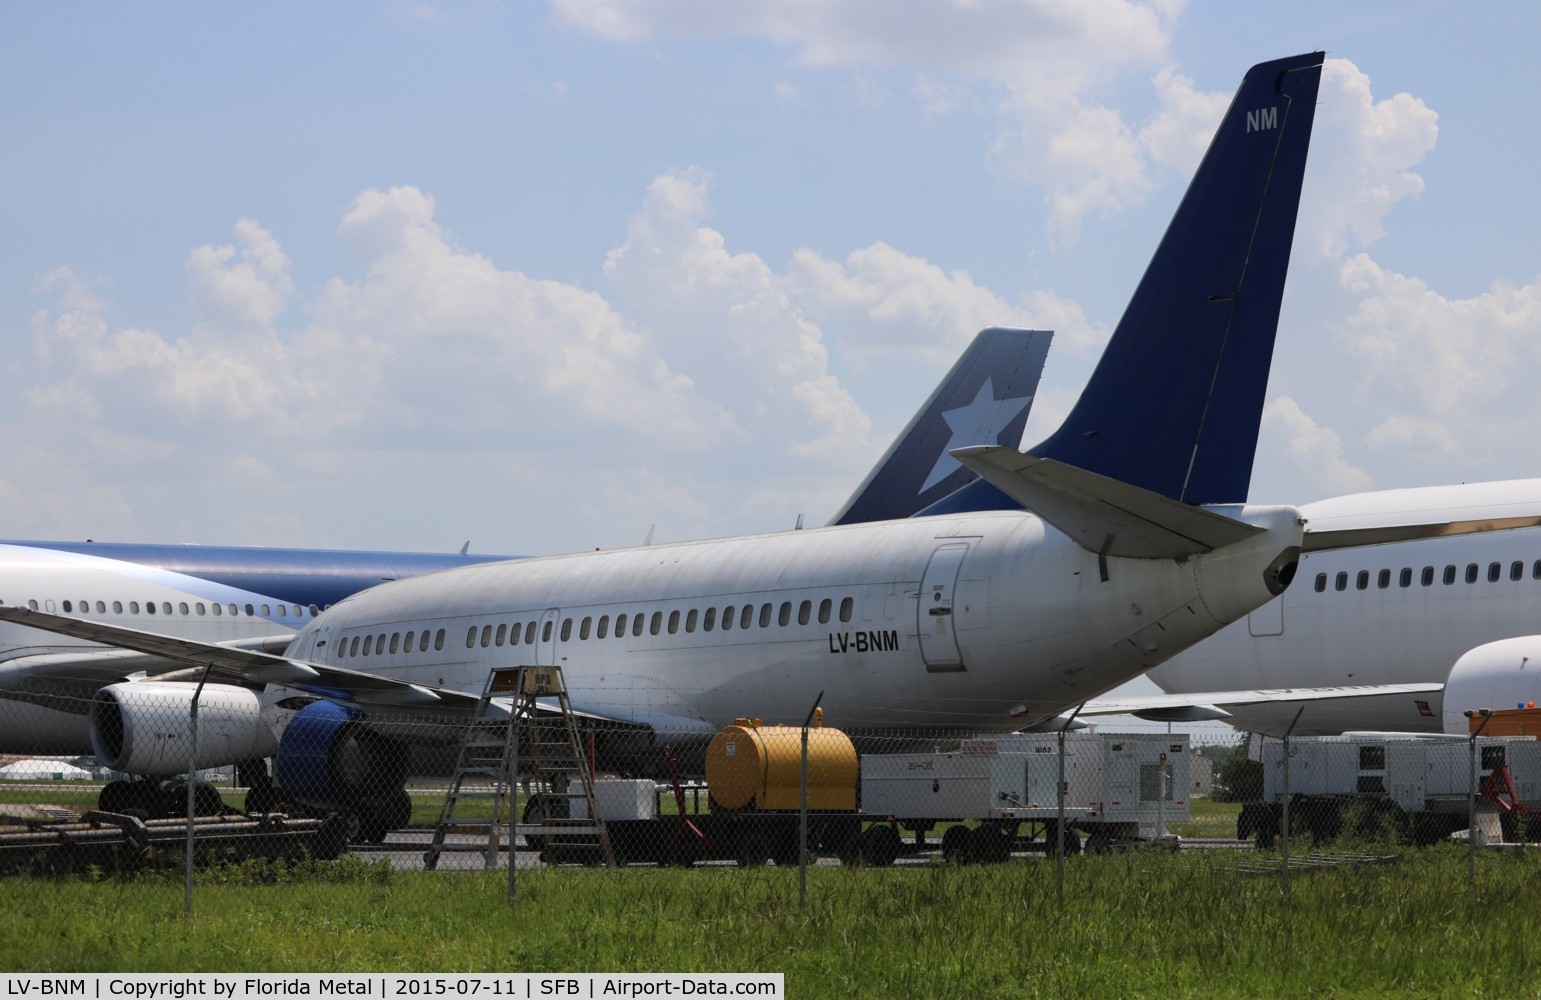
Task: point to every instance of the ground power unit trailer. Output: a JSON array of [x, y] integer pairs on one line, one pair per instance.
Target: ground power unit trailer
[[1413, 788], [987, 797]]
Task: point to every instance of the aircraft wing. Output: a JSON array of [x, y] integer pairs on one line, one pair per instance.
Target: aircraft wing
[[103, 666], [237, 665], [1102, 514], [1205, 706]]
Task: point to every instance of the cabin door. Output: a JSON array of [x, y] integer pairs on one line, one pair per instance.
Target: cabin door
[[545, 638], [934, 617]]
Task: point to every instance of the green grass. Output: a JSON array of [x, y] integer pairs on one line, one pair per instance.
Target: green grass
[[1142, 924]]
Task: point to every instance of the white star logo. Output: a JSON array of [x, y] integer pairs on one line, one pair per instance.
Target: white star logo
[[979, 422]]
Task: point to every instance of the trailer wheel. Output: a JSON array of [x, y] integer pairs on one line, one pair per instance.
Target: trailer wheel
[[989, 845], [955, 845], [880, 845]]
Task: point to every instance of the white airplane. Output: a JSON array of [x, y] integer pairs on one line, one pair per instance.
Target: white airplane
[[256, 598], [1456, 610], [1140, 547]]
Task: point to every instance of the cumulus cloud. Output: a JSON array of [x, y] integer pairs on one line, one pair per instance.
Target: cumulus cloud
[[695, 369], [1452, 373], [1363, 152], [1041, 63], [1315, 451]]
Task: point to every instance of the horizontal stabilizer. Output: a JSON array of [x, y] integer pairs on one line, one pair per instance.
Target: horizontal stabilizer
[[1204, 705], [1104, 515]]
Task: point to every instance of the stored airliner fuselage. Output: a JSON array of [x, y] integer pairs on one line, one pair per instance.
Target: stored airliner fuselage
[[1399, 612], [937, 622]]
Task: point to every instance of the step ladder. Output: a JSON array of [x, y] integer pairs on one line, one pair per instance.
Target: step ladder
[[479, 801]]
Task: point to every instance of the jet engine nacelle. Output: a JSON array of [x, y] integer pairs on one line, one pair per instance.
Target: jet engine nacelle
[[146, 727], [328, 758], [1502, 674]]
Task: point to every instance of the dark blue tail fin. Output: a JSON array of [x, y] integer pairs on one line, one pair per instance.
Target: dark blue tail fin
[[1175, 402], [985, 399]]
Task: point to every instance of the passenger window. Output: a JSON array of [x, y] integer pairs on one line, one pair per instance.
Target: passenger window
[[1362, 580], [369, 643], [1471, 572], [690, 620], [1321, 582], [1405, 578], [68, 607], [117, 607], [406, 644], [298, 613], [825, 607], [636, 624], [1428, 576], [380, 644], [198, 607], [182, 606], [250, 612], [438, 639], [620, 626], [567, 629], [746, 617], [604, 627], [765, 615], [727, 617], [674, 622], [804, 612], [1449, 575], [1516, 570], [395, 641], [1341, 583], [529, 634], [586, 627], [423, 642], [1383, 579], [218, 609], [471, 637], [314, 611], [353, 648], [1535, 571], [101, 606], [498, 636], [848, 606], [785, 617], [265, 611], [1495, 572], [656, 626], [709, 620], [133, 606], [149, 607], [282, 611]]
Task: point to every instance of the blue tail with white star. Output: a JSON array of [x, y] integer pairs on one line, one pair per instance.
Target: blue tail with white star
[[985, 399]]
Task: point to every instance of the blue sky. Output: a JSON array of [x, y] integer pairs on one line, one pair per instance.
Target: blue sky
[[543, 275]]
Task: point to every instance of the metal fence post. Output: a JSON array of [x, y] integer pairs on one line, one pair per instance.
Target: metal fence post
[[1059, 826], [192, 779], [1471, 800], [1284, 833], [516, 723], [802, 819]]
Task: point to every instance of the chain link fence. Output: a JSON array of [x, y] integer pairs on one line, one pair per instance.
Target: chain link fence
[[550, 791]]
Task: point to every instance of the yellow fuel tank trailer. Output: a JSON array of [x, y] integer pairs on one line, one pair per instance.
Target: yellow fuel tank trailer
[[753, 766]]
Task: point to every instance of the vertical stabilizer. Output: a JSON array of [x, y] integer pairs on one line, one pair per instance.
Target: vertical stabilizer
[[985, 399], [1174, 405]]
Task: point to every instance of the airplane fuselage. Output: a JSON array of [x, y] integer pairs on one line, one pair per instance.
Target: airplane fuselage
[[1383, 614], [932, 622]]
